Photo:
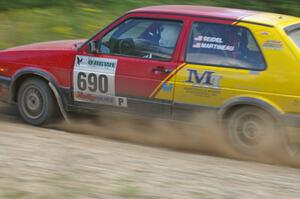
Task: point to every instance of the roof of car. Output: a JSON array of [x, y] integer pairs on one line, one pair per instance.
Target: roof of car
[[219, 12]]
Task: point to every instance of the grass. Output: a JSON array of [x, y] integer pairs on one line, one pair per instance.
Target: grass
[[127, 190], [28, 21], [15, 194]]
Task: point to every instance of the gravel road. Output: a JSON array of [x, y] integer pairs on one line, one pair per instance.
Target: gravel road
[[44, 163]]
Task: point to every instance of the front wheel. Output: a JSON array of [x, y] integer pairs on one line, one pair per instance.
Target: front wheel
[[36, 102], [253, 131]]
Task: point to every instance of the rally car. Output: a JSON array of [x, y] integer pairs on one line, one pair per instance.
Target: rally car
[[170, 62]]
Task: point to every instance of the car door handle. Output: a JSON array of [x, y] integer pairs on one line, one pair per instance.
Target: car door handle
[[161, 69]]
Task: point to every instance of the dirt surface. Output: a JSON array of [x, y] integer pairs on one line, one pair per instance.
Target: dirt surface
[[44, 163]]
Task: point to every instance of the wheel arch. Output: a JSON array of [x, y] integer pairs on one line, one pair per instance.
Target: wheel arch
[[229, 107], [27, 73]]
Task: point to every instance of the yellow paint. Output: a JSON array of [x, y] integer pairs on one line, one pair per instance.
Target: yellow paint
[[278, 85], [169, 81], [161, 94], [271, 19]]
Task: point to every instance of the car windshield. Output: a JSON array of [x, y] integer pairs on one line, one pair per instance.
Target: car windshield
[[146, 38], [294, 33]]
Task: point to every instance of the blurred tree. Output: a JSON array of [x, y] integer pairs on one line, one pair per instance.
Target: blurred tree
[[28, 21], [12, 4]]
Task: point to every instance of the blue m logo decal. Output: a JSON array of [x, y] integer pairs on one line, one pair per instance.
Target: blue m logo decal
[[206, 79]]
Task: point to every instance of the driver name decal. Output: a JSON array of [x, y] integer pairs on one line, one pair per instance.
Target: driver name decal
[[215, 43]]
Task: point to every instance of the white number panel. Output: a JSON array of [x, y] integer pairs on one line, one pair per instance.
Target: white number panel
[[94, 81]]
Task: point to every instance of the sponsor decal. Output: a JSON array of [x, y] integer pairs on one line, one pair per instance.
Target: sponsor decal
[[167, 87], [96, 64], [166, 80], [202, 92], [207, 79], [102, 99], [273, 45], [264, 33], [215, 43], [94, 81], [205, 84]]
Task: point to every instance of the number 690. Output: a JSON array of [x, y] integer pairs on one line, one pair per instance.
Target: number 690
[[92, 82]]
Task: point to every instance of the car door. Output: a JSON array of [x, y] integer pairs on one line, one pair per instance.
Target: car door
[[131, 61], [223, 62]]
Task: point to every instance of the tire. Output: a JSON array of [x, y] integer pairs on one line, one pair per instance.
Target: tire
[[254, 132], [36, 103]]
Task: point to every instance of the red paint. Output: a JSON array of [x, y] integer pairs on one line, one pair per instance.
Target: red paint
[[51, 45], [57, 58], [134, 76], [213, 12]]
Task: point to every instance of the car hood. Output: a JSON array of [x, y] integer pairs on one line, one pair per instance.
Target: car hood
[[53, 45], [44, 55]]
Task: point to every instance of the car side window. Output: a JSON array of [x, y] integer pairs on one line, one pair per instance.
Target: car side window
[[224, 45], [144, 38], [293, 32]]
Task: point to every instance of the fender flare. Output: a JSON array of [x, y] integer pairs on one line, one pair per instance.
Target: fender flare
[[52, 82], [29, 71], [244, 101]]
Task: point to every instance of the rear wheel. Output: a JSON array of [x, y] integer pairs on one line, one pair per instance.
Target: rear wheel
[[36, 102], [253, 131]]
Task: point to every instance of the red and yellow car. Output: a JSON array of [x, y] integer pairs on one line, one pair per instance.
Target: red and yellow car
[[170, 62]]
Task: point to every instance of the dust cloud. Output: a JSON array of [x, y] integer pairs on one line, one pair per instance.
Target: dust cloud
[[201, 135], [148, 131]]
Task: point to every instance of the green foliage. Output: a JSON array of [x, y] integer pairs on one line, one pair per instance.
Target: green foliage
[[291, 7], [12, 4], [27, 21]]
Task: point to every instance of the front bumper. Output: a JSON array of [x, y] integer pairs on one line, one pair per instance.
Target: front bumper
[[4, 88]]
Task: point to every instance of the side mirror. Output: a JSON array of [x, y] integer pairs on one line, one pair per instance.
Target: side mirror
[[93, 47]]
